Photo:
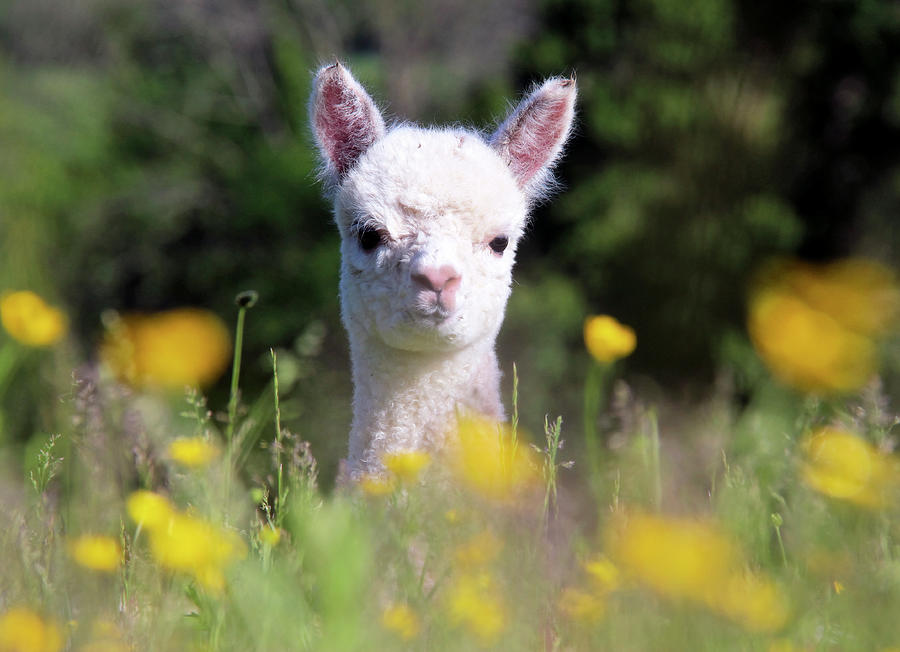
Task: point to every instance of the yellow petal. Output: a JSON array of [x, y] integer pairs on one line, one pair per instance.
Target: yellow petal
[[149, 509], [193, 452], [607, 340], [401, 620], [486, 460], [96, 552], [406, 465], [842, 465], [818, 327], [167, 350], [22, 630], [28, 319]]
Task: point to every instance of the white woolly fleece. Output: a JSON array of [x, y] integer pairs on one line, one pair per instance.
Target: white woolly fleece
[[429, 220]]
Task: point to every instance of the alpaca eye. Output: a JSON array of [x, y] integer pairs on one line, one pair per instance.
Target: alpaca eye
[[369, 238], [499, 244]]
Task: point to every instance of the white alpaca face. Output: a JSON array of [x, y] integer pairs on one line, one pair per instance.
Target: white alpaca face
[[430, 220]]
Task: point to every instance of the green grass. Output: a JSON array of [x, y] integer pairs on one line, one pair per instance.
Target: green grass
[[322, 570]]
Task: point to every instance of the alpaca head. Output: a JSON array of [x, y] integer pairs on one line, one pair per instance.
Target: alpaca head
[[430, 218]]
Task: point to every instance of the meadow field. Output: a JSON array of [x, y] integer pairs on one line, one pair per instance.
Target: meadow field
[[700, 356], [153, 522]]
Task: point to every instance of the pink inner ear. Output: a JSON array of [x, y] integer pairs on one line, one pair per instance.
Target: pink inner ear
[[344, 123], [540, 135]]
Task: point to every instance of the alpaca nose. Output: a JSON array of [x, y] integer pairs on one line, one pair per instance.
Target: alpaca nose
[[443, 281]]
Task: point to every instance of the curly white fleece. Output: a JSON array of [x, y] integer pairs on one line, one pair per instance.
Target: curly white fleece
[[438, 198]]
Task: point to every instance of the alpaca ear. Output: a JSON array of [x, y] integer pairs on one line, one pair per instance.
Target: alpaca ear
[[532, 137], [345, 120]]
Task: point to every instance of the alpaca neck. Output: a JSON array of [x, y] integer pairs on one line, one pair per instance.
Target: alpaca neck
[[405, 400]]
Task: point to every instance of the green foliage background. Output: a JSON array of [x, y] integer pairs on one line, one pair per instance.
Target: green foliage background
[[156, 154]]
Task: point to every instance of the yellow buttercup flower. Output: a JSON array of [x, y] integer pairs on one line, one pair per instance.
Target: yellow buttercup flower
[[28, 319], [685, 559], [269, 535], [582, 605], [184, 543], [149, 509], [406, 465], [167, 350], [753, 601], [842, 465], [604, 574], [481, 549], [196, 547], [377, 485], [96, 552], [862, 294], [193, 452], [486, 460], [23, 630], [475, 603], [806, 348], [678, 558], [105, 637], [401, 620], [817, 327], [607, 340]]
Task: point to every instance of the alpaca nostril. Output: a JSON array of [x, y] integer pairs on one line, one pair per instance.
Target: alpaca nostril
[[437, 279]]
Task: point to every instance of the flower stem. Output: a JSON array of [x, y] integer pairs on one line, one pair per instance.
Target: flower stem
[[245, 301], [279, 505], [595, 391]]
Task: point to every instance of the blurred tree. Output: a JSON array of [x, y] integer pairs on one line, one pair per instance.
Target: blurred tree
[[714, 133], [156, 154], [201, 176]]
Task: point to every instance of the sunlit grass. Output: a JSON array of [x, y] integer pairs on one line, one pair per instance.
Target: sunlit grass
[[170, 529]]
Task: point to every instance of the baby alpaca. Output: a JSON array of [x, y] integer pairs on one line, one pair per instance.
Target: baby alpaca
[[429, 220]]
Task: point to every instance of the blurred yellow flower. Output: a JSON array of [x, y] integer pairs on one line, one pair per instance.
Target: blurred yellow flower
[[28, 319], [475, 603], [96, 552], [861, 294], [603, 573], [105, 645], [167, 350], [782, 645], [193, 452], [105, 637], [196, 547], [184, 543], [607, 340], [481, 549], [693, 560], [406, 465], [23, 630], [678, 558], [843, 465], [582, 605], [149, 509], [377, 485], [269, 535], [401, 620], [753, 601], [486, 460], [817, 327]]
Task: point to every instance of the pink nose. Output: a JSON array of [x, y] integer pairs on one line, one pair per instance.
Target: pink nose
[[443, 281]]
